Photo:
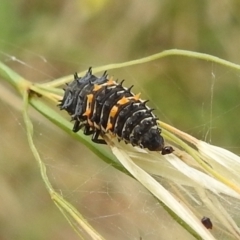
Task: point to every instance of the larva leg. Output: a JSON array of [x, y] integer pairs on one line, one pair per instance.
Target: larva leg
[[95, 137], [88, 131], [77, 126]]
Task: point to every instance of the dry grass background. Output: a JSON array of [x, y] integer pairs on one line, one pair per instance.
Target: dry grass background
[[73, 35]]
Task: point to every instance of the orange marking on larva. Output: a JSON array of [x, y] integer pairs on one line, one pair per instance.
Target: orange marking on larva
[[110, 81], [111, 115], [89, 98], [87, 113], [97, 87], [109, 126], [123, 100], [137, 96], [113, 111], [89, 102]]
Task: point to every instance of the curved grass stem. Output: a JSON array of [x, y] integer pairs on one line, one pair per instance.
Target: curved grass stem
[[163, 54]]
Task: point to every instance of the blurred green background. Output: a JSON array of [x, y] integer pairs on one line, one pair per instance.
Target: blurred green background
[[54, 38]]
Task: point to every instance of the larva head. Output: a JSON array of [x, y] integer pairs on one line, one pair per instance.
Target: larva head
[[152, 140]]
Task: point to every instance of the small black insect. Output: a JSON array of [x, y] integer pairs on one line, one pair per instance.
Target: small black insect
[[101, 105], [207, 222]]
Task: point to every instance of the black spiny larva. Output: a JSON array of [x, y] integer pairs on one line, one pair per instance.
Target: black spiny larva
[[101, 105]]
